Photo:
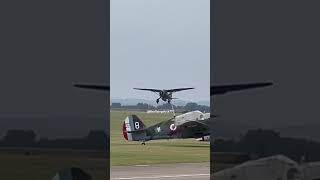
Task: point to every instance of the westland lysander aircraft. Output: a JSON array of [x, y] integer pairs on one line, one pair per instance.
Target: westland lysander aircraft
[[214, 90], [193, 124], [164, 94]]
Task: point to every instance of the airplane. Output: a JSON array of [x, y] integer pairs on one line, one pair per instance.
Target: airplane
[[164, 94], [194, 124], [214, 90]]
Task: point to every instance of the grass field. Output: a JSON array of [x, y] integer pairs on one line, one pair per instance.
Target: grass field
[[159, 151], [44, 167], [45, 163]]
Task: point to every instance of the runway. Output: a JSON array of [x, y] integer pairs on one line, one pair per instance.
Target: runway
[[185, 171]]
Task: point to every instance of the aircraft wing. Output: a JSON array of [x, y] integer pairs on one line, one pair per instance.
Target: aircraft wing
[[152, 90], [93, 86], [222, 89], [194, 129], [178, 89], [195, 125]]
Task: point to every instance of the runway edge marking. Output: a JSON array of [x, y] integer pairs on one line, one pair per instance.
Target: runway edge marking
[[160, 177]]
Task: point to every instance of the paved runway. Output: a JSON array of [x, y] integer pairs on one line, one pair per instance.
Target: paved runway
[[185, 171]]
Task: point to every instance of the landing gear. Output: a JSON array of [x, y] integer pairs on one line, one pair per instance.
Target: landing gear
[[157, 100], [143, 143], [174, 114]]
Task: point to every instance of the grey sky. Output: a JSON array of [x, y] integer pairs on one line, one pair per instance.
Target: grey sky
[[160, 44]]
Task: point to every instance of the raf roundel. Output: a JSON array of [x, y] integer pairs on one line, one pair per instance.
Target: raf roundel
[[173, 127]]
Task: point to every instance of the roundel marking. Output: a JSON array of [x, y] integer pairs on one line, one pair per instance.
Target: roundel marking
[[173, 127]]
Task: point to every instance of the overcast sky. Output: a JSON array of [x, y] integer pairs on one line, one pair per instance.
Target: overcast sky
[[46, 47], [160, 44]]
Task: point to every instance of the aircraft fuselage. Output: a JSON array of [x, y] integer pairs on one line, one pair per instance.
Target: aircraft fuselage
[[193, 124], [165, 96]]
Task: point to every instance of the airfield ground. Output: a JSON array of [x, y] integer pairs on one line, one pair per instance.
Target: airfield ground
[[179, 171], [124, 153], [44, 164]]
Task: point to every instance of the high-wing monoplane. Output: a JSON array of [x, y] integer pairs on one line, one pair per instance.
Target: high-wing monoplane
[[214, 90]]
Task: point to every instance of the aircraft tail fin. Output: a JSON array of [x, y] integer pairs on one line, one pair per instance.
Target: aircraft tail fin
[[133, 128]]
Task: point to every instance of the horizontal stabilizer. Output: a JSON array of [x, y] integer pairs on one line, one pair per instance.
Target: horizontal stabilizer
[[139, 130]]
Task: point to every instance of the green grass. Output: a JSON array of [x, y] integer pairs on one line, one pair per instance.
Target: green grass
[[40, 167], [154, 152], [45, 165]]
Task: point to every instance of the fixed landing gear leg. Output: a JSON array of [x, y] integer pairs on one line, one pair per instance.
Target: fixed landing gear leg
[[174, 114]]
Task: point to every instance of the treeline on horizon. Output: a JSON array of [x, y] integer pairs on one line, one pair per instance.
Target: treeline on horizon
[[95, 140], [261, 143], [144, 107], [258, 143]]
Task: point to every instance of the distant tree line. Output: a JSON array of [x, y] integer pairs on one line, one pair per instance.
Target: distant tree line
[[144, 107], [264, 143], [95, 140]]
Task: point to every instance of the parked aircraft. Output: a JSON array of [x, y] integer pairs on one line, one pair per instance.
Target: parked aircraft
[[194, 124]]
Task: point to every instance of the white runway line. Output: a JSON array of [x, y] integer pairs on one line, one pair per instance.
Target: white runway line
[[161, 177], [141, 165]]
